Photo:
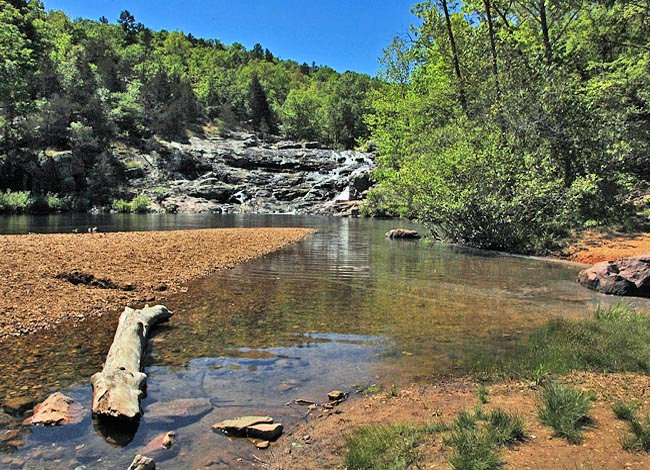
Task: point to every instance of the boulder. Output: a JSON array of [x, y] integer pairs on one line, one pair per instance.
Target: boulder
[[56, 410], [627, 276], [402, 234]]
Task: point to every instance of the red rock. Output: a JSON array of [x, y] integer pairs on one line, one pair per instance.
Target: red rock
[[627, 276], [56, 410]]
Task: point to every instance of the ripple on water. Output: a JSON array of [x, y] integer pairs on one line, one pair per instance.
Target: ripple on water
[[333, 312]]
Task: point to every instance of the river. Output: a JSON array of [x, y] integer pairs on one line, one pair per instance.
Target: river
[[344, 309]]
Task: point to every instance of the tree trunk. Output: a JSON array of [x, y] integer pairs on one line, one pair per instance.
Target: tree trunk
[[548, 53], [493, 47], [117, 389], [454, 52]]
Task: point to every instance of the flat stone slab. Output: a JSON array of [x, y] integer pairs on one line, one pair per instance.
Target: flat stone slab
[[268, 432], [238, 426]]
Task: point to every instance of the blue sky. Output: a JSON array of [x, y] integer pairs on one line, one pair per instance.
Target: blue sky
[[344, 34]]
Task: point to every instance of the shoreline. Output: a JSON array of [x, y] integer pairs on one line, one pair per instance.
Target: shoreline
[[50, 279], [320, 442]]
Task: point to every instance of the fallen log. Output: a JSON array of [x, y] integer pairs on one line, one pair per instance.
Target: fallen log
[[117, 389]]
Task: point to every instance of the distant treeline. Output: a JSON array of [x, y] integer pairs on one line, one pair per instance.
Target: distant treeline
[[85, 84], [508, 124]]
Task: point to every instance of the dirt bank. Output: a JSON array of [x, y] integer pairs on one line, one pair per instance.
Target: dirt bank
[[47, 279], [593, 247], [422, 404]]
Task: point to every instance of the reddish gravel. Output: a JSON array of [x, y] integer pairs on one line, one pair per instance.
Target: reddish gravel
[[36, 271], [594, 247]]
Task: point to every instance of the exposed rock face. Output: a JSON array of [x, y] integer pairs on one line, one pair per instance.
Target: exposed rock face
[[56, 410], [243, 175], [627, 276]]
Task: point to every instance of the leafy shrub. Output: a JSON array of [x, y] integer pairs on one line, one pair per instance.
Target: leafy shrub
[[120, 205], [140, 204], [639, 439], [15, 202], [566, 410]]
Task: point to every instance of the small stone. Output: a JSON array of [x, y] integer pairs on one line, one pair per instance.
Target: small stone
[[262, 444], [336, 395], [403, 234], [9, 435], [268, 432], [140, 462]]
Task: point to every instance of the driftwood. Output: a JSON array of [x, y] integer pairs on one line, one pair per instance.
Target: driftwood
[[117, 389]]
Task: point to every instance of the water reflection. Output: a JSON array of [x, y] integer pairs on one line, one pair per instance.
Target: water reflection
[[335, 311]]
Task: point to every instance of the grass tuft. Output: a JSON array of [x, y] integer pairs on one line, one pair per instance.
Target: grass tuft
[[506, 429], [566, 410], [639, 439], [384, 447]]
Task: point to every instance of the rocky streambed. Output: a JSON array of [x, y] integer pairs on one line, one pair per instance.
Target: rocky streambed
[[243, 174]]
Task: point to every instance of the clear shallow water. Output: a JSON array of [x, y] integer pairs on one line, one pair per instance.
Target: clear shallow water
[[344, 308]]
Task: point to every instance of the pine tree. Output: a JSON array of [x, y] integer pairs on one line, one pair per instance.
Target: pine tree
[[260, 113]]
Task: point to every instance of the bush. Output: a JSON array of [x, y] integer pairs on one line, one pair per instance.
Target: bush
[[140, 204], [566, 410], [15, 202], [120, 205], [639, 439]]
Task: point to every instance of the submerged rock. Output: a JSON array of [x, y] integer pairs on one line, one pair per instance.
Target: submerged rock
[[56, 410], [160, 447], [16, 406], [402, 233], [627, 276], [183, 408]]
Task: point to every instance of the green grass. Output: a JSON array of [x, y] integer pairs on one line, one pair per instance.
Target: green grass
[[384, 447], [475, 438], [566, 410], [609, 340], [639, 437], [505, 429], [482, 393]]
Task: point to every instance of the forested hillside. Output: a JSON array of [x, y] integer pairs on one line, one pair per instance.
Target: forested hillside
[[505, 124], [85, 85]]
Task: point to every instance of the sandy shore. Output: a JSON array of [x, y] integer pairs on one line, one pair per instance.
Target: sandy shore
[[320, 443], [594, 247], [38, 272]]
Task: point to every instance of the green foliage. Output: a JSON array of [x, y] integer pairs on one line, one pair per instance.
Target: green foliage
[[483, 393], [139, 204], [624, 411], [15, 202], [566, 410], [120, 205], [498, 137], [383, 447]]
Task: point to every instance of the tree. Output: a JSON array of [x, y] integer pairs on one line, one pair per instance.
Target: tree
[[259, 111], [21, 48]]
